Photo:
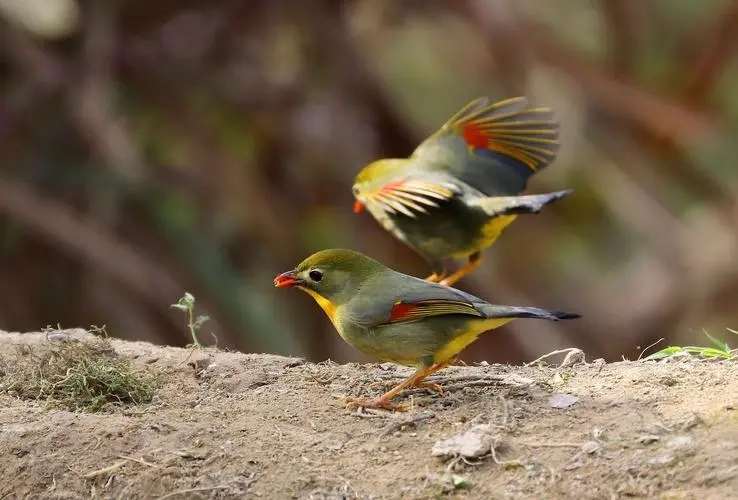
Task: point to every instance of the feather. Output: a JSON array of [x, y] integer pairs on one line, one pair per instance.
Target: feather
[[408, 311], [493, 147], [412, 197]]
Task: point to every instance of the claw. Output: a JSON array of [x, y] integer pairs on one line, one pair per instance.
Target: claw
[[381, 383], [415, 380], [381, 403], [429, 385], [421, 385]]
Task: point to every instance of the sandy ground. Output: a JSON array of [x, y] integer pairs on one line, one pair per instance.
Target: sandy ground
[[232, 425]]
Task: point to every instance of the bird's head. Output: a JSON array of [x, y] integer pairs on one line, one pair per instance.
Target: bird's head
[[371, 179], [334, 275]]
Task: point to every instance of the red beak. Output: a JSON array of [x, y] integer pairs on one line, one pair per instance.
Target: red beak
[[287, 279], [358, 207]]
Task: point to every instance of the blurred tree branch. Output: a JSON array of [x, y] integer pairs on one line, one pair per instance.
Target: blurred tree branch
[[621, 18], [505, 40], [711, 52], [622, 98], [617, 96], [93, 244]]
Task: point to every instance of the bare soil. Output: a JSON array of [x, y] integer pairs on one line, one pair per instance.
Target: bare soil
[[233, 425]]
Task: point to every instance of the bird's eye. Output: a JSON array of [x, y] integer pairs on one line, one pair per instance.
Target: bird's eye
[[355, 190], [315, 275]]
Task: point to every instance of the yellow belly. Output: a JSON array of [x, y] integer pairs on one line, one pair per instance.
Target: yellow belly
[[448, 351], [458, 343], [489, 234]]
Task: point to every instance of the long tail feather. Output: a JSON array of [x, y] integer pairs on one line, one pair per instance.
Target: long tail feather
[[494, 311], [496, 206]]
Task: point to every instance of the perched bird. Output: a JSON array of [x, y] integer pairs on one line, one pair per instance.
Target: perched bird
[[459, 189], [396, 317]]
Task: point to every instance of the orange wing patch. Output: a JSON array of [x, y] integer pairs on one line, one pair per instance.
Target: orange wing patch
[[475, 136], [407, 311], [509, 127]]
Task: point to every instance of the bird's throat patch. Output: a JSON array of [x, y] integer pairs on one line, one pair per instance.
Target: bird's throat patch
[[325, 304]]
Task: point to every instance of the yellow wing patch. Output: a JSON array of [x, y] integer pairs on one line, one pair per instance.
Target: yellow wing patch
[[508, 127], [412, 197]]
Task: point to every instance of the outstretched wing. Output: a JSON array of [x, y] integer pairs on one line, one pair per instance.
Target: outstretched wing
[[412, 195], [493, 147]]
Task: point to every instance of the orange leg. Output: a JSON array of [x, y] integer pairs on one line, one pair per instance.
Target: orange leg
[[415, 380], [435, 278], [474, 260], [419, 385]]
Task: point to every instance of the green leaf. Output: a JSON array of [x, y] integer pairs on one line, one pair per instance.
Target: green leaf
[[460, 482], [723, 346], [200, 320], [665, 352], [707, 352]]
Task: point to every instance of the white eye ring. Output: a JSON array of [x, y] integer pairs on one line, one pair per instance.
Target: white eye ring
[[316, 275]]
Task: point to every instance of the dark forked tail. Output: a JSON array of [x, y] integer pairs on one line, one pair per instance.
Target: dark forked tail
[[495, 311]]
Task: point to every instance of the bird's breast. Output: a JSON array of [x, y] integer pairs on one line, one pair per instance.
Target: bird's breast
[[452, 230]]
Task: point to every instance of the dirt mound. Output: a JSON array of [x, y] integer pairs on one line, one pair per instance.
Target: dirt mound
[[231, 425]]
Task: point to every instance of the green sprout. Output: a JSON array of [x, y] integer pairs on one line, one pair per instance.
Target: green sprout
[[187, 304], [719, 350]]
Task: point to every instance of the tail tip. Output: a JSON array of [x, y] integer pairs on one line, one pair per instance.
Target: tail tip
[[562, 194], [566, 315]]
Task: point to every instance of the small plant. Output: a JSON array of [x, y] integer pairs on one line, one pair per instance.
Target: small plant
[[99, 331], [720, 349], [79, 375], [443, 485], [187, 304]]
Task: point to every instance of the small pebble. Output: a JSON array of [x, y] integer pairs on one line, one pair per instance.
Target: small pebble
[[573, 465], [680, 442], [590, 447], [562, 400], [648, 439], [662, 460]]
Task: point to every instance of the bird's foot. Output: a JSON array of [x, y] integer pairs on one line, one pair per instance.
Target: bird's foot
[[382, 403], [382, 384], [474, 260], [420, 385], [450, 280], [430, 385], [435, 278]]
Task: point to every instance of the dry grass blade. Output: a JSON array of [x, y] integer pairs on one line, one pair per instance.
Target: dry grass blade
[[76, 375]]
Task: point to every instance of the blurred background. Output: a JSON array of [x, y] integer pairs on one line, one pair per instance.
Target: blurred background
[[152, 148]]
